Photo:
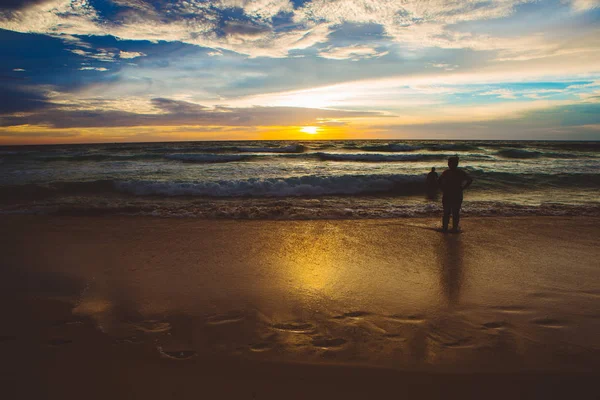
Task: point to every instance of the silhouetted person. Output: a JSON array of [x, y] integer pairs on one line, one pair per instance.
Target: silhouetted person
[[452, 182], [432, 184]]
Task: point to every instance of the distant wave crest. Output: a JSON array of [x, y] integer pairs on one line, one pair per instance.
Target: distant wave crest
[[208, 158], [378, 157]]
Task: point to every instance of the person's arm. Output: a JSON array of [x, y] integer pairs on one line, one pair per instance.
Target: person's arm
[[469, 180]]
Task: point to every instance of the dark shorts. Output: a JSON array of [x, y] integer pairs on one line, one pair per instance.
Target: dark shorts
[[452, 201]]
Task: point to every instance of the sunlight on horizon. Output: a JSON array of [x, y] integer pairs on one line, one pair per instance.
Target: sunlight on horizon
[[311, 130]]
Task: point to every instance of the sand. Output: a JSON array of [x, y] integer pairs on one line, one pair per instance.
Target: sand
[[141, 307]]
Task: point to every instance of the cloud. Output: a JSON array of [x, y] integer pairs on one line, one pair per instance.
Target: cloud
[[100, 54], [172, 113], [584, 5], [6, 133], [245, 30], [16, 99], [354, 53], [18, 70], [502, 93], [445, 67], [213, 24], [250, 27], [571, 122], [130, 54], [13, 5], [93, 69]]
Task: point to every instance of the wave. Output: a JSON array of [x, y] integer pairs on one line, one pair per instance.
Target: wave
[[404, 147], [394, 157], [529, 154], [518, 153], [293, 148], [378, 157], [310, 185], [187, 154], [208, 158], [452, 146], [495, 179], [100, 157], [389, 147]]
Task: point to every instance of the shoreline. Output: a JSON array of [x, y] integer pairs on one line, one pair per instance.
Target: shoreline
[[351, 306]]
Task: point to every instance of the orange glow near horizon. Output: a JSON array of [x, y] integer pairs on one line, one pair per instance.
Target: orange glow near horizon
[[42, 135]]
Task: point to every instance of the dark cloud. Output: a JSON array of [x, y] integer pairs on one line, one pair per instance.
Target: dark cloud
[[244, 29], [182, 113], [176, 106], [13, 5], [17, 100], [36, 134]]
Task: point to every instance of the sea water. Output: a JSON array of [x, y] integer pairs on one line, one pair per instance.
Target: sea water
[[297, 180]]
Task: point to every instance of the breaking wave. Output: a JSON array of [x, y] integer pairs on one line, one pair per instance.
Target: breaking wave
[[208, 158], [310, 185], [378, 157]]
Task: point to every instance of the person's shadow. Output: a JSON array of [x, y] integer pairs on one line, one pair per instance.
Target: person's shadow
[[450, 255]]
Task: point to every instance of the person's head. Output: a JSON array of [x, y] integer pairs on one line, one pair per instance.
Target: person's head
[[453, 162], [432, 169]]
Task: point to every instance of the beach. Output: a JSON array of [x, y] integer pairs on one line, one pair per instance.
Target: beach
[[178, 308]]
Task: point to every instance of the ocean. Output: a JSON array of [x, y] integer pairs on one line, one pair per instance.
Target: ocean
[[297, 180]]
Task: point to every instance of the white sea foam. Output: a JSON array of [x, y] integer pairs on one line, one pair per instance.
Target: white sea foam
[[277, 187]]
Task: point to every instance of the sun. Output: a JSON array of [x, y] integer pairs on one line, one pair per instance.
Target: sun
[[311, 130]]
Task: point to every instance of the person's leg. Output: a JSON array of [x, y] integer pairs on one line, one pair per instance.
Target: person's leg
[[446, 217], [455, 217], [456, 214]]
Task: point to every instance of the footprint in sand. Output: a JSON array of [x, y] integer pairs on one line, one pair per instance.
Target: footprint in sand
[[128, 339], [548, 322], [260, 347], [495, 325], [451, 341], [153, 326], [512, 309], [177, 354], [407, 319], [328, 343], [395, 337], [295, 327], [353, 314], [460, 343], [59, 342], [228, 318]]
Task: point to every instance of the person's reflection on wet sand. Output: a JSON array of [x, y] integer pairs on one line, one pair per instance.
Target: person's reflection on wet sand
[[450, 254]]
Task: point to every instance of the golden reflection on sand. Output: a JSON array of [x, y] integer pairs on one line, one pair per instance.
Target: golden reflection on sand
[[450, 256], [368, 269]]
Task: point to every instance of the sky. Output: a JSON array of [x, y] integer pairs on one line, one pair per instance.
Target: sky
[[82, 71]]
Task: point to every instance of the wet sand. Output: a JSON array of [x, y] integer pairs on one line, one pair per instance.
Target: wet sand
[[140, 307]]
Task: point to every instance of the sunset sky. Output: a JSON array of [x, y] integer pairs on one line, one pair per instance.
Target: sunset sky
[[76, 71]]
